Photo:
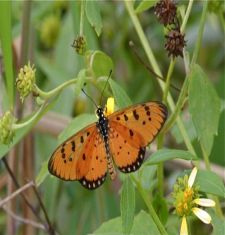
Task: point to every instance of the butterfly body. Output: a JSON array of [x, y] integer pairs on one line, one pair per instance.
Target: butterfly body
[[103, 128], [120, 138]]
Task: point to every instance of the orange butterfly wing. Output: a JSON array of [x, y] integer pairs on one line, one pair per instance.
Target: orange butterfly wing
[[131, 130], [75, 159]]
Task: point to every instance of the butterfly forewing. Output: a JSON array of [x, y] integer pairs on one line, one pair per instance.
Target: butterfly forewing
[[71, 160], [132, 129]]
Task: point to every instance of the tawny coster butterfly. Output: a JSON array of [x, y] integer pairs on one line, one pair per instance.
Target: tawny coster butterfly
[[120, 138]]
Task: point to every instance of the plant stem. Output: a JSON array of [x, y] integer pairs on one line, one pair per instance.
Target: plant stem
[[160, 174], [222, 20], [29, 121], [178, 107], [54, 92], [168, 77], [206, 158], [82, 17], [151, 210], [187, 14], [200, 33]]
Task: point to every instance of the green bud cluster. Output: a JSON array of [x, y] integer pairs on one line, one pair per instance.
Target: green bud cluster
[[6, 129], [25, 81]]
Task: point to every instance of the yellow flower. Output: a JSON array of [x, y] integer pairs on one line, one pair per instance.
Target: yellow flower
[[187, 201], [109, 108]]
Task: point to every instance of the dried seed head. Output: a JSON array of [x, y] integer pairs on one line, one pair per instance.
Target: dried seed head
[[175, 43], [80, 45], [165, 11]]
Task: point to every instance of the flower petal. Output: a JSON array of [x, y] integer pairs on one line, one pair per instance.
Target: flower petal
[[202, 215], [192, 176], [183, 227], [109, 106], [204, 202]]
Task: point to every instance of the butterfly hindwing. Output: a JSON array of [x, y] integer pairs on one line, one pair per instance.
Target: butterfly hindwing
[[132, 129], [71, 160], [127, 148], [96, 174]]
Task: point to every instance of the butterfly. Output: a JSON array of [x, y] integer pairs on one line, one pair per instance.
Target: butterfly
[[118, 139]]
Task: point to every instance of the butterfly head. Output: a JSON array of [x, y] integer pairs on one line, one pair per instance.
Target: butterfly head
[[100, 112]]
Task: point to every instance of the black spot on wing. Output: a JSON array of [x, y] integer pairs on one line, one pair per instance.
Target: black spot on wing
[[92, 184], [135, 165]]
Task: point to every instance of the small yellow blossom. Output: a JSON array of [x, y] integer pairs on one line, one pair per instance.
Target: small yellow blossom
[[109, 109], [25, 80], [187, 201]]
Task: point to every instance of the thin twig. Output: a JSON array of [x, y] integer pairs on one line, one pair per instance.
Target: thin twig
[[23, 220], [50, 228], [14, 194], [131, 44], [18, 186]]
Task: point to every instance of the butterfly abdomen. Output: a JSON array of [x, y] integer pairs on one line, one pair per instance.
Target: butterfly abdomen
[[103, 128]]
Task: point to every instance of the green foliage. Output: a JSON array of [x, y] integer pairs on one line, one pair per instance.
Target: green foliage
[[210, 182], [143, 225], [127, 205], [100, 63], [163, 155], [120, 95], [6, 42], [93, 16], [204, 107], [145, 5]]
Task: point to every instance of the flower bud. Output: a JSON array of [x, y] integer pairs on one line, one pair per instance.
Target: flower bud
[[25, 81], [6, 130]]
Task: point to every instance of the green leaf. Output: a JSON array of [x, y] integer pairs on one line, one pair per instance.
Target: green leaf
[[80, 81], [143, 225], [146, 176], [6, 45], [94, 16], [145, 5], [121, 97], [209, 182], [75, 125], [204, 107], [101, 64], [163, 155], [217, 223], [161, 208], [43, 173], [127, 205]]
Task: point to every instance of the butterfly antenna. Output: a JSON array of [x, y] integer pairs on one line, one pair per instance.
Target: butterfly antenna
[[89, 98], [131, 44], [110, 73]]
